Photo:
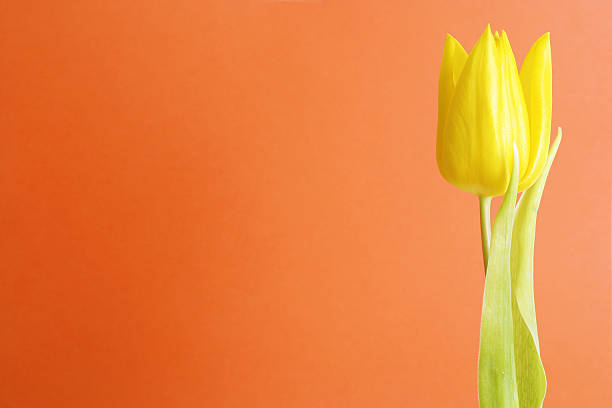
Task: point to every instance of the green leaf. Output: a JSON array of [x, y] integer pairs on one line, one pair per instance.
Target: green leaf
[[497, 386], [531, 378]]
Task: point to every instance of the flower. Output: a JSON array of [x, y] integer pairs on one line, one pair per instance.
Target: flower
[[485, 105]]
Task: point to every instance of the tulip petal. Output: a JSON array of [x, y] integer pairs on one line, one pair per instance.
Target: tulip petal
[[536, 79], [512, 109], [453, 60], [471, 152]]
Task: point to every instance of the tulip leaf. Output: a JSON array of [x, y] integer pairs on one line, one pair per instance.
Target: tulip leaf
[[531, 378], [497, 386]]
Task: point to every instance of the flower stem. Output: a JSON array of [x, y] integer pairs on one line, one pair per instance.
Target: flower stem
[[485, 228]]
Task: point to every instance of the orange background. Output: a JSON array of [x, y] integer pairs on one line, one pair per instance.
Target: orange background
[[237, 205]]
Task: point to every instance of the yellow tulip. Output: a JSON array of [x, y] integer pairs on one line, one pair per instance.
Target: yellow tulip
[[485, 105]]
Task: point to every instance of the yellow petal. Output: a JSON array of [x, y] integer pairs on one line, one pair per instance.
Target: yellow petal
[[471, 152], [453, 59], [512, 109], [536, 79]]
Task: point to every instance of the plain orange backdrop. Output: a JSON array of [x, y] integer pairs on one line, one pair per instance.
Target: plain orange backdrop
[[236, 204]]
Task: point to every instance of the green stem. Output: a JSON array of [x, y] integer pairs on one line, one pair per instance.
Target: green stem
[[485, 228]]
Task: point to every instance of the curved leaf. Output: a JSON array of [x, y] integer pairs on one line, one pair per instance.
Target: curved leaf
[[531, 378], [497, 386]]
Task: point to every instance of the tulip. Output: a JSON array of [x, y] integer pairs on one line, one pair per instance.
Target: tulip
[[493, 136], [485, 106]]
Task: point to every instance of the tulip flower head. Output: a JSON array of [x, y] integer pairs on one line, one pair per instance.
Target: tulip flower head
[[485, 105]]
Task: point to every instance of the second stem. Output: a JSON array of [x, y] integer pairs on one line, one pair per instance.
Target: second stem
[[485, 228]]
